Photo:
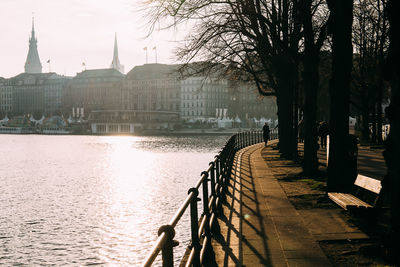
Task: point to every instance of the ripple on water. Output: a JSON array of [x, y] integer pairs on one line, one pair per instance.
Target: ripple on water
[[94, 200]]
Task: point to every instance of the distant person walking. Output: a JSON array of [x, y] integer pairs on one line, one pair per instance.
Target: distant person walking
[[301, 131], [323, 132], [266, 133]]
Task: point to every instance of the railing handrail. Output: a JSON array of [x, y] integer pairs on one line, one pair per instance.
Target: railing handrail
[[218, 173]]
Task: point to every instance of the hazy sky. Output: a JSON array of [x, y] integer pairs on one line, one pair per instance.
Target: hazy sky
[[70, 32]]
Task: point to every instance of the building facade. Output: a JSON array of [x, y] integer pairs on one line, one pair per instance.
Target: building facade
[[152, 87], [98, 89], [6, 96], [245, 102], [35, 93], [203, 97]]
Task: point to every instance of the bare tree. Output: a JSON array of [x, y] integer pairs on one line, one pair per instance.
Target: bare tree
[[258, 37], [391, 182], [340, 27], [314, 36], [370, 40]]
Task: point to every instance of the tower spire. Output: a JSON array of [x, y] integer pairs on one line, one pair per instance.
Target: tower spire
[[32, 64], [33, 27], [115, 46], [115, 64]]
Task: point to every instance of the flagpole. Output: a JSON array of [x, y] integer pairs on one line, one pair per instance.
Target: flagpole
[[155, 52], [145, 48]]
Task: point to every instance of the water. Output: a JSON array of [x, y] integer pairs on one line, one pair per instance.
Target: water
[[86, 200]]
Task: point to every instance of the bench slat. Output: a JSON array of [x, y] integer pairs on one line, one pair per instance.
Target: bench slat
[[370, 184], [348, 200], [354, 201], [337, 200]]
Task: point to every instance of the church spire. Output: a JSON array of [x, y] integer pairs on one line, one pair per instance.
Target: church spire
[[115, 64], [33, 28], [32, 64]]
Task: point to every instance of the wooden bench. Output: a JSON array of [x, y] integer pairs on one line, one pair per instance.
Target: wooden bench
[[365, 196]]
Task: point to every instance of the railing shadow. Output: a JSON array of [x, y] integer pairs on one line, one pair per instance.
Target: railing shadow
[[222, 176], [243, 239]]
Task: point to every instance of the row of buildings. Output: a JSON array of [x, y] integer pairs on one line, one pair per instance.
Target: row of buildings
[[151, 95]]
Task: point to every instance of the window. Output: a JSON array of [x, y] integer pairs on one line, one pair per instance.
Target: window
[[113, 128], [100, 128], [125, 128]]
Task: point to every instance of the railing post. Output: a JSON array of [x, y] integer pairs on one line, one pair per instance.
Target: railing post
[[194, 222], [209, 256], [218, 181], [224, 172], [249, 138], [212, 180], [167, 251], [206, 211], [235, 148]]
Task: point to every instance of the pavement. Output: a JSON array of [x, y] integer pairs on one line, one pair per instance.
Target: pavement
[[261, 227]]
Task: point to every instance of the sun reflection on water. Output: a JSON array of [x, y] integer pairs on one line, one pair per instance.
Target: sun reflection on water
[[129, 171], [82, 200]]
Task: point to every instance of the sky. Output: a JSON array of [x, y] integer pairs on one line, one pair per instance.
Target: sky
[[71, 32]]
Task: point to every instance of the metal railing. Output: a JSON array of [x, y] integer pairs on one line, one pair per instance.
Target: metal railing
[[217, 175]]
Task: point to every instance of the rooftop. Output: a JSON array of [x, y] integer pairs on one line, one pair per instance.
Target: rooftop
[[152, 71], [97, 73]]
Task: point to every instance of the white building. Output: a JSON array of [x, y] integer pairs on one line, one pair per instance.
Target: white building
[[203, 97]]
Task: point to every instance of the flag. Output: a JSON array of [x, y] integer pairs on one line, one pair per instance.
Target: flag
[[48, 61], [145, 48], [154, 48]]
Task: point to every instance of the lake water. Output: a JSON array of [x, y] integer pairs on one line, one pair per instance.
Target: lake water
[[86, 200]]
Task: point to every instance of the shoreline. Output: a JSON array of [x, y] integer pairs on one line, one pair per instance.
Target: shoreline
[[147, 133]]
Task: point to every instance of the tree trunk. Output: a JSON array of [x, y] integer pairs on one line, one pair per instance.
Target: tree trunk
[[285, 120], [379, 114], [391, 182], [286, 76], [339, 177], [311, 83], [296, 116], [310, 165]]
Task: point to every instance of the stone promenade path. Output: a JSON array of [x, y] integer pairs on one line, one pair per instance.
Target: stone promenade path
[[260, 226]]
